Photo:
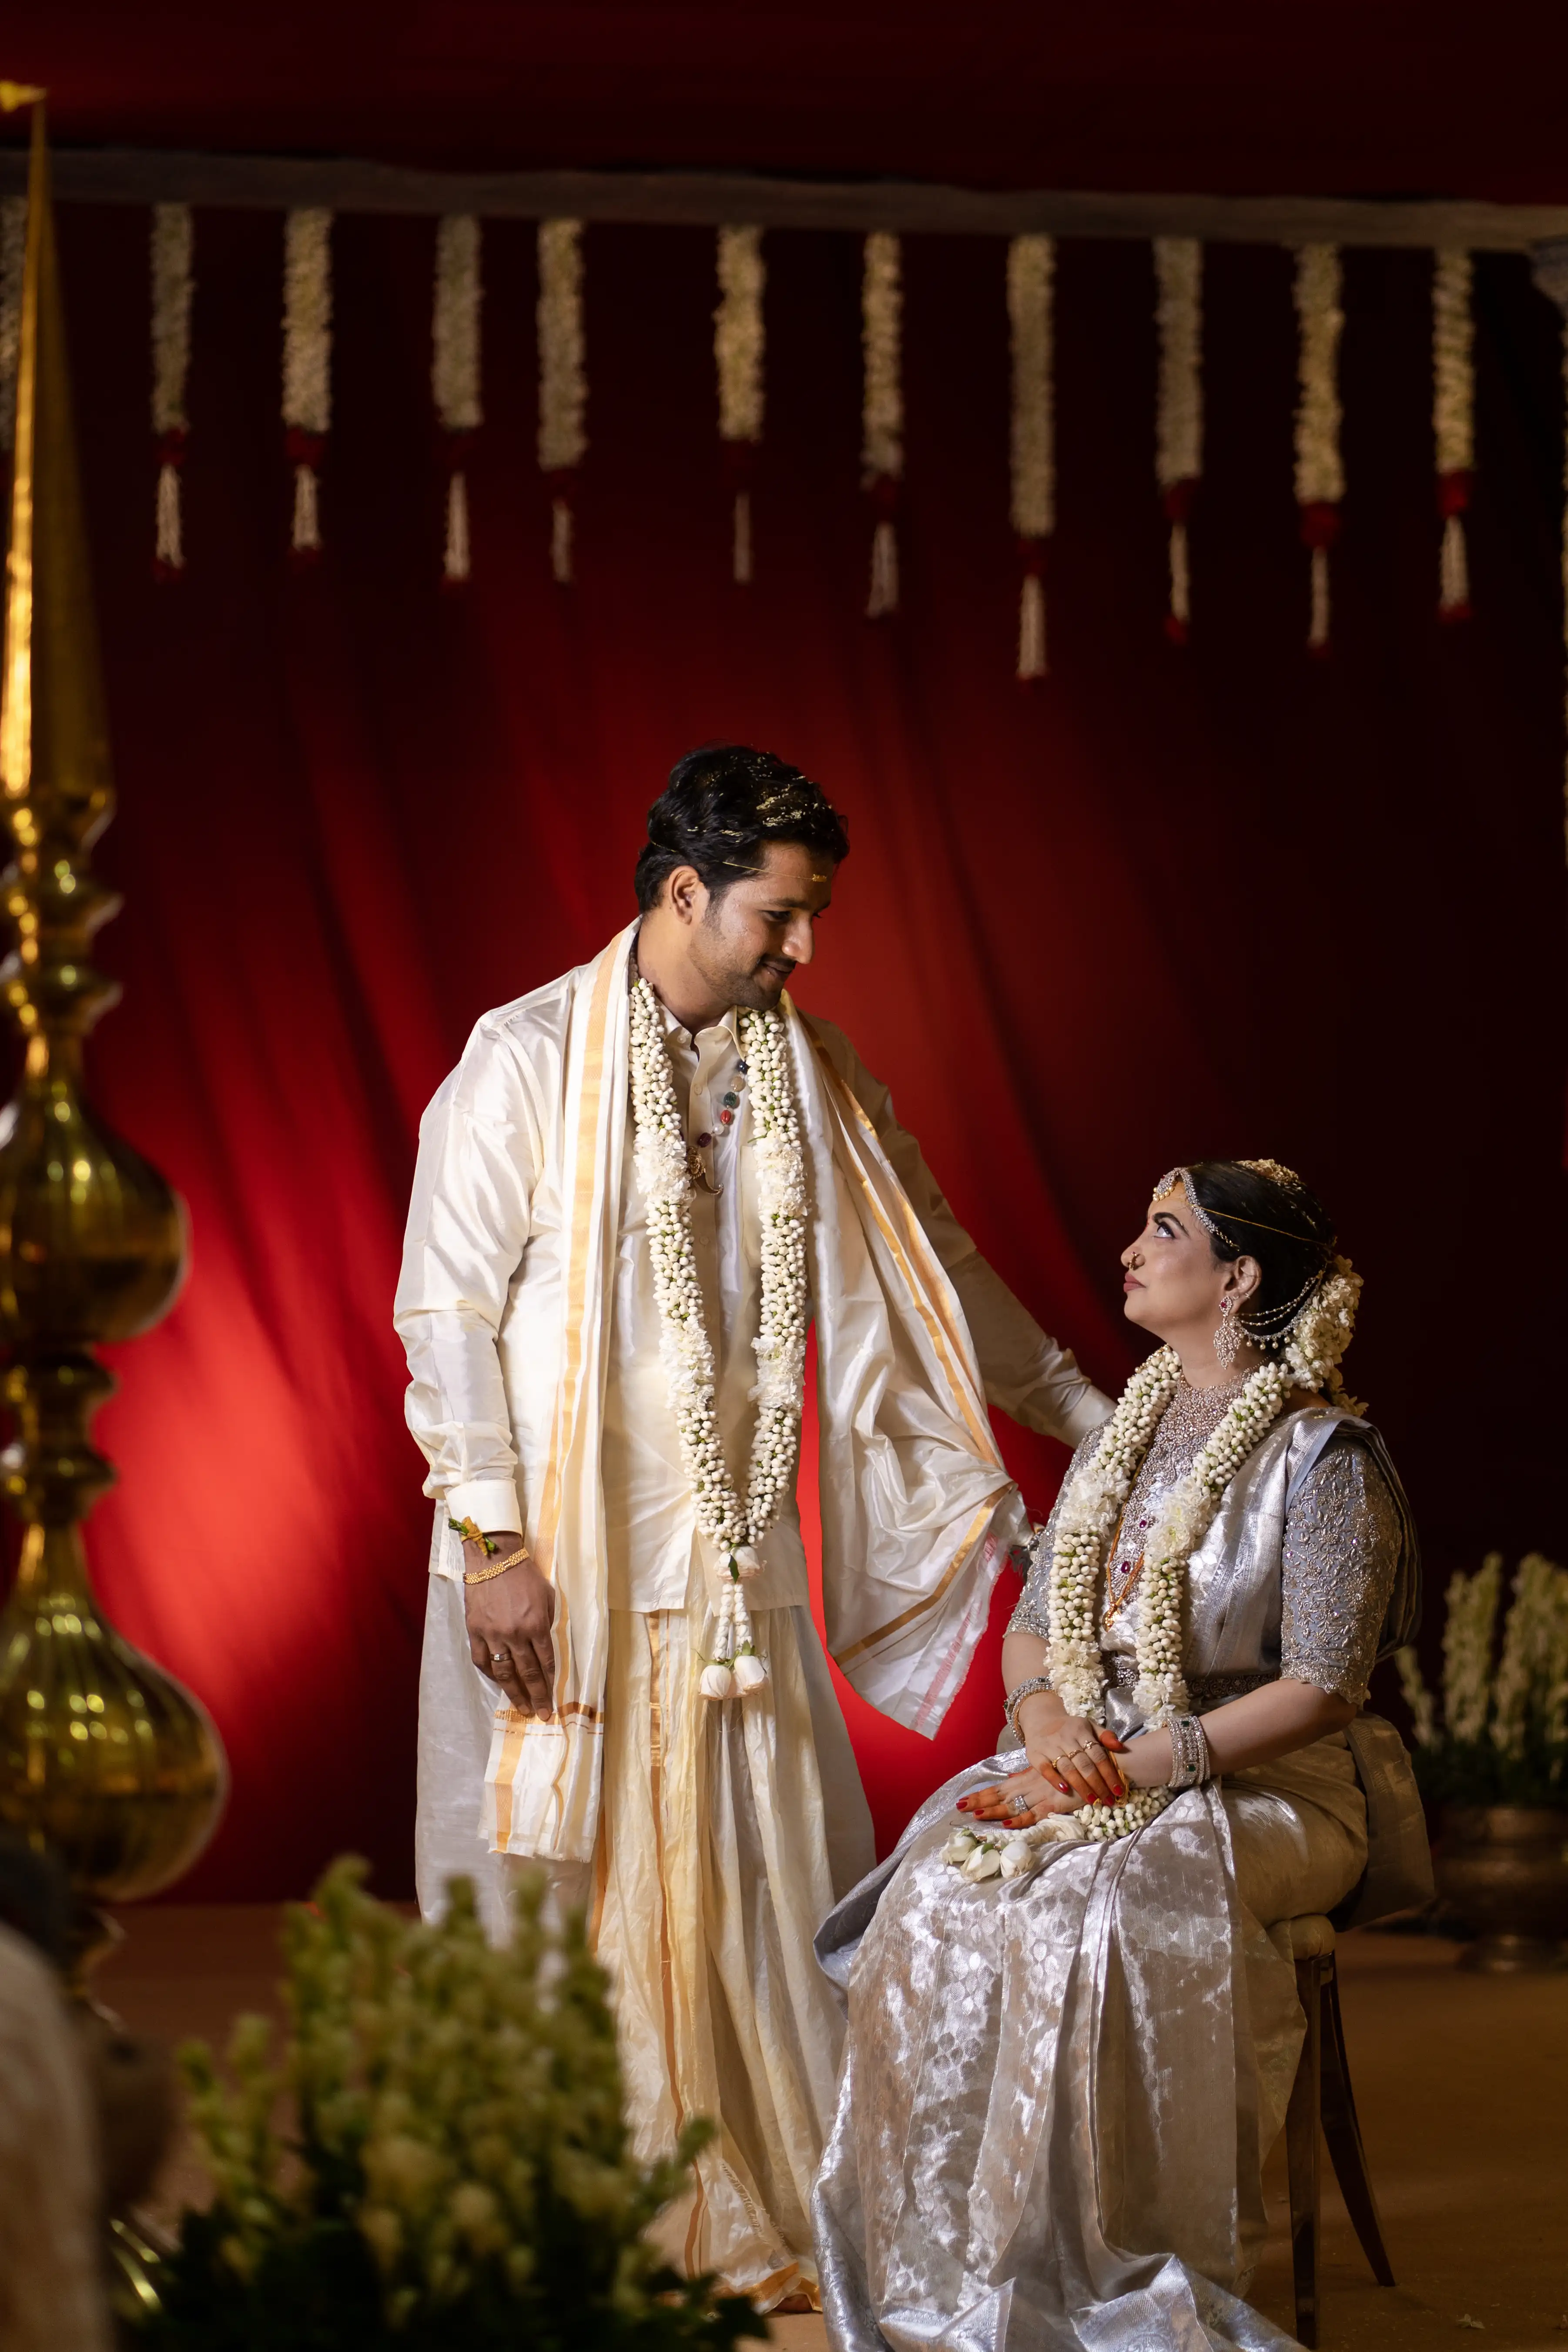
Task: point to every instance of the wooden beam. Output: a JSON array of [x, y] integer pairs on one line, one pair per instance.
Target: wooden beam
[[126, 175]]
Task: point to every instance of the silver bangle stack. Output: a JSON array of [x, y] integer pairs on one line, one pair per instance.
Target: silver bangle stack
[[1191, 1763], [1025, 1690]]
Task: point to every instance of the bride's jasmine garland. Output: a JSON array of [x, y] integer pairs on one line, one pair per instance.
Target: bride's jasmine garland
[[733, 1526], [1091, 1507]]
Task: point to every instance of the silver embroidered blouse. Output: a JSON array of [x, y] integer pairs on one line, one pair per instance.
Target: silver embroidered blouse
[[1341, 1541]]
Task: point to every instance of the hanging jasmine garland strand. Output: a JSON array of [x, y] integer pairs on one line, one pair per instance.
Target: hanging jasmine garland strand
[[1179, 430], [735, 1527], [172, 291], [882, 410], [562, 382], [1453, 422], [1031, 272], [307, 365], [1319, 472], [455, 371], [738, 347]]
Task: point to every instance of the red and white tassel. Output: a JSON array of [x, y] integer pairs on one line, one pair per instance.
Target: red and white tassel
[[1319, 471], [454, 374], [1179, 426], [1031, 276], [882, 410], [169, 257], [1453, 423], [307, 366], [563, 380]]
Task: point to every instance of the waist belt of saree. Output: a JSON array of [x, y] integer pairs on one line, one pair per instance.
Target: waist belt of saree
[[1205, 1691]]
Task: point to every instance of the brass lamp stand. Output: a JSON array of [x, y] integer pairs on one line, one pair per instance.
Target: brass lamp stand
[[103, 1759]]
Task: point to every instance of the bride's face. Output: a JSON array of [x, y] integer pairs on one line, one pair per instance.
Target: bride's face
[[1172, 1281]]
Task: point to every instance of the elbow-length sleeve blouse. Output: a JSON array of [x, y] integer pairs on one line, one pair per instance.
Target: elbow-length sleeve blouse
[[1341, 1545]]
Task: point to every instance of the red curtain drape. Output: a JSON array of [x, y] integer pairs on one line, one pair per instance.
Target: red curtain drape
[[1167, 904]]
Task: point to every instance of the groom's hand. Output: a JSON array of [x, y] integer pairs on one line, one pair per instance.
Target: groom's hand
[[508, 1620]]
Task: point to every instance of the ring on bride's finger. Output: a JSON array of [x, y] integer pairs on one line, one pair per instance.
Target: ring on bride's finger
[[1017, 1804]]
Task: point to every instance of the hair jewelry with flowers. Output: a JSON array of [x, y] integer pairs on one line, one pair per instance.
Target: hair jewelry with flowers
[[1311, 1349]]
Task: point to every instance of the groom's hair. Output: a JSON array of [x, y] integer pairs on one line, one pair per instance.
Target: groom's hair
[[722, 807]]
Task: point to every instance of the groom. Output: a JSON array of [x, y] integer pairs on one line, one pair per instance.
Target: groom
[[634, 1190]]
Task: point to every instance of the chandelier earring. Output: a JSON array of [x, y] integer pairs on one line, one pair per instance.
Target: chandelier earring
[[1228, 1337]]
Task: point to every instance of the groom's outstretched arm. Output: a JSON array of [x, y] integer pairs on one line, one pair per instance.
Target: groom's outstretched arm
[[1035, 1382]]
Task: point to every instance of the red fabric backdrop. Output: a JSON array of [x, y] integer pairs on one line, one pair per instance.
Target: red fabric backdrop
[[1167, 904]]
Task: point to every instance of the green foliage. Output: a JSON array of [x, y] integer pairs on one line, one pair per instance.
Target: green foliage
[[1503, 1736], [459, 2171]]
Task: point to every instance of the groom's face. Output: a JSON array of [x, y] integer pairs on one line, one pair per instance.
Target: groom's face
[[752, 936]]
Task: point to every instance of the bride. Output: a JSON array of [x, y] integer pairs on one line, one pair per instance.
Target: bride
[[1071, 2033]]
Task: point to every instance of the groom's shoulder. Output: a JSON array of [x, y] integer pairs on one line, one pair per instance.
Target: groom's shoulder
[[518, 1045]]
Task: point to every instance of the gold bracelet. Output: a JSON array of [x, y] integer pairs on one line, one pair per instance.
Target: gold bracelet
[[496, 1568]]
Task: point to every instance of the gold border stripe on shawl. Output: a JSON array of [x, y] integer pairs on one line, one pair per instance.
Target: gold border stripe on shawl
[[586, 1182], [932, 1309], [976, 1528]]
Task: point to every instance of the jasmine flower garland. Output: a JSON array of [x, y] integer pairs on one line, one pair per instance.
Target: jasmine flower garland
[[1090, 1507], [733, 1526]]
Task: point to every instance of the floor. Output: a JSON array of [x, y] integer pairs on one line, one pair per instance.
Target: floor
[[1461, 2082]]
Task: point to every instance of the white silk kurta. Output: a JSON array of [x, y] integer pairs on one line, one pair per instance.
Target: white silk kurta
[[707, 1936]]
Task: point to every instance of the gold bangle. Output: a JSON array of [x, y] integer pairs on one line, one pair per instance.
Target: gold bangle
[[496, 1568]]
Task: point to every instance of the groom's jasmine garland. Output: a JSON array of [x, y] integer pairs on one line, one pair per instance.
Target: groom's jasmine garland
[[733, 1526], [1090, 1510]]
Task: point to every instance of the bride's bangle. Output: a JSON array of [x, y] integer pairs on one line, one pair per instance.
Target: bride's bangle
[[1025, 1690], [1191, 1763]]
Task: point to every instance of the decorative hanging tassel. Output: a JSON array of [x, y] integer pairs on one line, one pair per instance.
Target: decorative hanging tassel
[[1319, 472], [456, 561], [1031, 626], [734, 1667], [1031, 274], [563, 380], [169, 257], [454, 374], [884, 595], [1453, 422], [307, 366], [882, 410], [1179, 425], [739, 344], [561, 536]]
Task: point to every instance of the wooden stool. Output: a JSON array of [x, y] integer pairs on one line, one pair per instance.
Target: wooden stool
[[1322, 2108]]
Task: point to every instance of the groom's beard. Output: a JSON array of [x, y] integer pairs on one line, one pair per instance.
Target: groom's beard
[[760, 989]]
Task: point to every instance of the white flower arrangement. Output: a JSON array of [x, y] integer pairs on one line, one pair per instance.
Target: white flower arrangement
[[739, 342], [307, 361], [882, 407], [733, 1526], [455, 367], [1320, 470], [170, 260], [1031, 277], [1503, 1734], [1179, 421], [1087, 1515], [562, 378], [1453, 420]]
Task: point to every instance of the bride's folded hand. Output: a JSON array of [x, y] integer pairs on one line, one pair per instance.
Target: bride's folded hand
[[1071, 1753], [1014, 1803]]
